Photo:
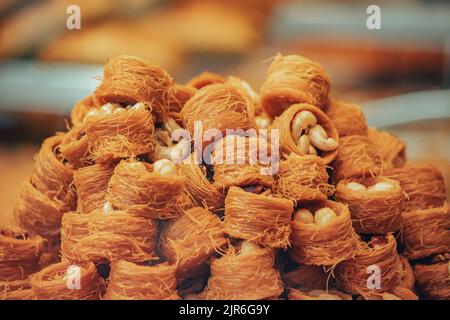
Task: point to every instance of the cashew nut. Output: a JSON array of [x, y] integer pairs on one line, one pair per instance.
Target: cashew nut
[[170, 151], [303, 144], [301, 122], [107, 207], [164, 167], [105, 110], [171, 125], [324, 216], [262, 122], [112, 108], [177, 152], [248, 247], [312, 150], [381, 186], [137, 165], [355, 186], [137, 106], [320, 140], [304, 215]]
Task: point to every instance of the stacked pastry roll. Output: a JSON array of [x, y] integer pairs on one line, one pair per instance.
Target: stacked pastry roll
[[46, 195], [19, 258], [212, 190], [103, 196]]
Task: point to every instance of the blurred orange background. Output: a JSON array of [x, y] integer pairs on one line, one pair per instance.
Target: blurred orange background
[[411, 53]]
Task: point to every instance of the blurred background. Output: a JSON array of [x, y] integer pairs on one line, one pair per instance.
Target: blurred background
[[399, 74]]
